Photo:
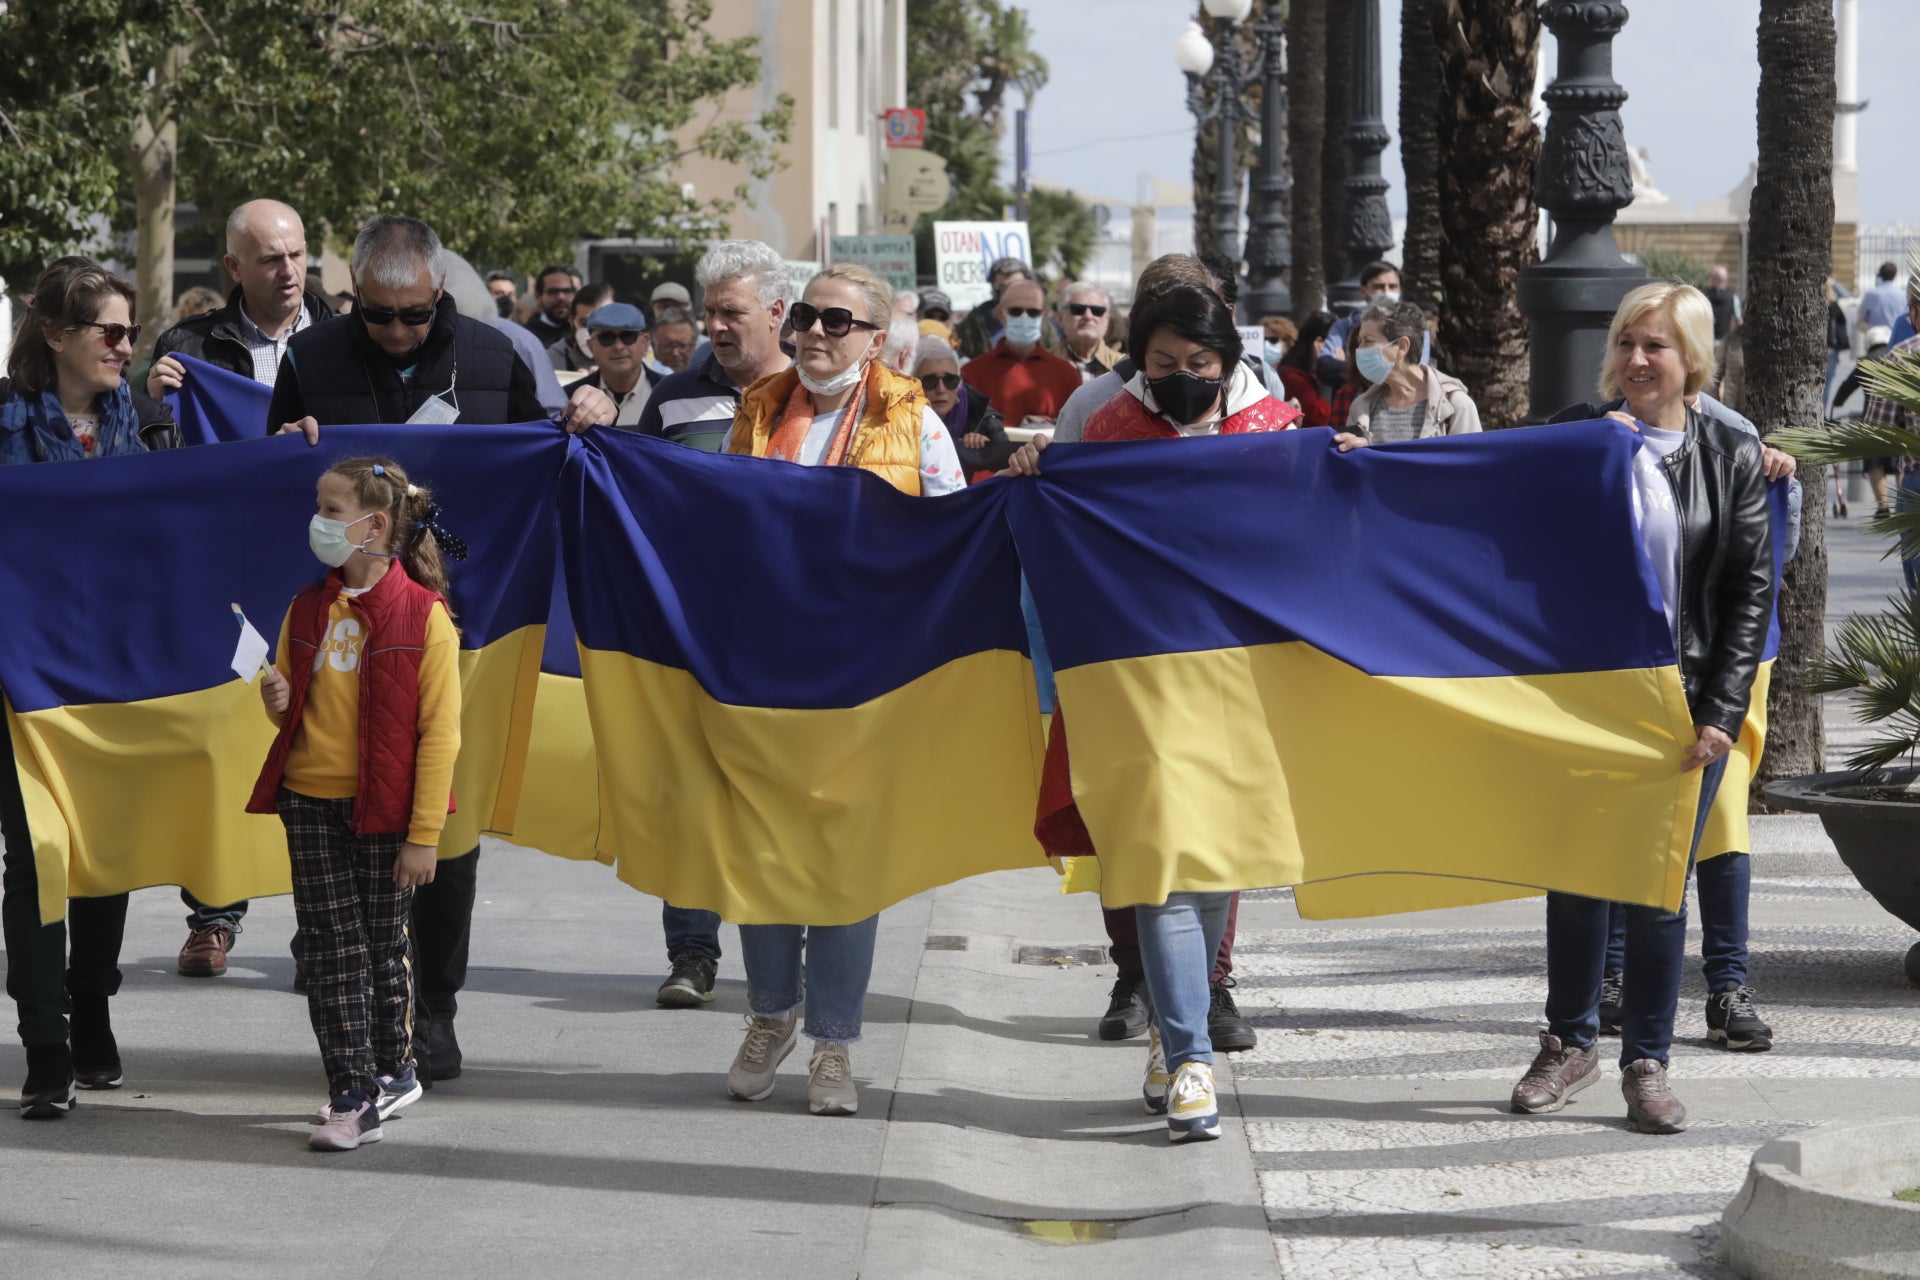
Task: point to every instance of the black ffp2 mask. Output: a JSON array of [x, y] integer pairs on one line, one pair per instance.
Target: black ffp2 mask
[[1184, 396]]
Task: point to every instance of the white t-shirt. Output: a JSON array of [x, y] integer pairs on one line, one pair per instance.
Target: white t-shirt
[[1658, 515], [940, 471]]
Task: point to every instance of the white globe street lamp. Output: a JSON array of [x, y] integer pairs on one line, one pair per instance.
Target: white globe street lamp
[[1193, 52], [1230, 10]]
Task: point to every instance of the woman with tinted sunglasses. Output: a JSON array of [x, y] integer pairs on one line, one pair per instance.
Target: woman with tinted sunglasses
[[836, 406], [974, 423], [66, 399]]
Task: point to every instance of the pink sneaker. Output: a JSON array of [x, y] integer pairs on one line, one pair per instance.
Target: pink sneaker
[[352, 1120]]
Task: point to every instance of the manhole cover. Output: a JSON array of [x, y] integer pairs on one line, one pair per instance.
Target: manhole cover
[[946, 942], [1061, 957]]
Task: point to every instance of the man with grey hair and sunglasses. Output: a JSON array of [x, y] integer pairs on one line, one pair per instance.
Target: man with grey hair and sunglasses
[[405, 354]]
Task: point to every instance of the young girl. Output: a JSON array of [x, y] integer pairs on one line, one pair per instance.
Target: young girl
[[366, 691]]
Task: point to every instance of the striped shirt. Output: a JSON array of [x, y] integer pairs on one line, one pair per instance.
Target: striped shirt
[[1882, 412], [693, 407]]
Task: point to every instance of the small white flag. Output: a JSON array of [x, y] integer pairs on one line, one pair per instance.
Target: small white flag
[[251, 653]]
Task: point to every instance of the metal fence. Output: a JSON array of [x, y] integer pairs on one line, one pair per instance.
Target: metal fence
[[1894, 242]]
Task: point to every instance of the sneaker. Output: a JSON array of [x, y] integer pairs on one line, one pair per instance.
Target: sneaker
[[396, 1091], [352, 1120], [204, 954], [769, 1041], [1612, 1002], [830, 1090], [1229, 1032], [48, 1093], [1154, 1089], [1193, 1113], [689, 985], [96, 1055], [1126, 1015], [1734, 1023], [1651, 1106], [1556, 1075]]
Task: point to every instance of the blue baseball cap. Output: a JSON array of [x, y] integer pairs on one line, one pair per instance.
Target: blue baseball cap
[[618, 315]]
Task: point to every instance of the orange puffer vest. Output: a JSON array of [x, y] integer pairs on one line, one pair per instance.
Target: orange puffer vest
[[886, 441], [393, 616]]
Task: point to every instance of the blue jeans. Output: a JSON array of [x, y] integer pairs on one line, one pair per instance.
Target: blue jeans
[[826, 965], [1178, 940], [1656, 952], [690, 931], [202, 916], [1723, 884]]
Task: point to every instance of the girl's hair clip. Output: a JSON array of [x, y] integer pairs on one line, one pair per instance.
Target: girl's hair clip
[[379, 470]]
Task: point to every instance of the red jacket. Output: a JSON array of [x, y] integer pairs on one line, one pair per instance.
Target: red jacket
[[1034, 387], [394, 618]]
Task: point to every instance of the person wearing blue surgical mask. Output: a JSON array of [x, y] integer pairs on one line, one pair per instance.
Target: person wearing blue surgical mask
[[1026, 384], [1405, 399]]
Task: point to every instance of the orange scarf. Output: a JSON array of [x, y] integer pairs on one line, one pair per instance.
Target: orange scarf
[[789, 435]]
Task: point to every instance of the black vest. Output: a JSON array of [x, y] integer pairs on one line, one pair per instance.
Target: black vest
[[346, 379]]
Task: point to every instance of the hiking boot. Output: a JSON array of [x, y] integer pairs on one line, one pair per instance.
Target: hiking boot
[[1651, 1106], [1127, 1013], [1733, 1022], [48, 1093], [1193, 1112], [443, 1051], [769, 1041], [830, 1090], [689, 985], [1229, 1032], [1154, 1089], [96, 1055], [1557, 1073], [353, 1120], [1612, 1001], [204, 954]]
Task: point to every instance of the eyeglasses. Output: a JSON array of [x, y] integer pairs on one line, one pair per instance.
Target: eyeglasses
[[1033, 312], [942, 381], [114, 334], [612, 337], [1086, 309], [380, 317], [835, 322]]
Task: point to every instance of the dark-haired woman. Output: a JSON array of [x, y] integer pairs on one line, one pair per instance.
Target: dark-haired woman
[[66, 399], [1191, 381], [1296, 370]]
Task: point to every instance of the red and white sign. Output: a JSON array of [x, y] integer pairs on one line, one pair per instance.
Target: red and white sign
[[906, 127]]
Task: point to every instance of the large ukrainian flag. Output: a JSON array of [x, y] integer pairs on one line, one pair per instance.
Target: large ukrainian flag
[[136, 745], [810, 693], [1431, 662]]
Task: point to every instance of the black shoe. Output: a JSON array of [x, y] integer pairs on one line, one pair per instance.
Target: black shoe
[[1733, 1022], [299, 977], [48, 1093], [96, 1057], [443, 1052], [1229, 1032], [1612, 991], [1127, 1013], [689, 985]]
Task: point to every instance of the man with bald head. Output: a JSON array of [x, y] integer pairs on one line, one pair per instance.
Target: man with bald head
[[1026, 384], [267, 258]]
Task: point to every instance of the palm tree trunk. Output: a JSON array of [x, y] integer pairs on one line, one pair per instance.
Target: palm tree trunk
[[1420, 154], [1790, 254], [1306, 129], [1333, 141], [1489, 148]]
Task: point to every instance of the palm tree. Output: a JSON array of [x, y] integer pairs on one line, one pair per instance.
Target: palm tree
[[1790, 239], [1420, 152], [1007, 61], [1306, 128], [1333, 141], [1489, 147]]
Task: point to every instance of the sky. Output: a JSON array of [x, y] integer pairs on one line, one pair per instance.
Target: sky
[[1115, 108]]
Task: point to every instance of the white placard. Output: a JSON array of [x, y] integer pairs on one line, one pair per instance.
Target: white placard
[[963, 252]]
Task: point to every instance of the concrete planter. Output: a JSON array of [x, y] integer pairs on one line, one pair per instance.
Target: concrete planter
[[1879, 840], [1820, 1206]]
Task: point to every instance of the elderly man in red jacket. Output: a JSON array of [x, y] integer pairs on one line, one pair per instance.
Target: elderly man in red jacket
[[1025, 383]]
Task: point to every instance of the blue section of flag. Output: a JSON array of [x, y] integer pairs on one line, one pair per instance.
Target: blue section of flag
[[213, 406]]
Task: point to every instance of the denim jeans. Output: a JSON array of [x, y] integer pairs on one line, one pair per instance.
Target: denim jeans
[[1179, 939], [690, 931], [1656, 952], [1723, 884], [202, 916], [827, 966], [1123, 941]]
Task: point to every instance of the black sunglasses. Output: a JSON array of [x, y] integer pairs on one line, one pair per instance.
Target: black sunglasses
[[1086, 308], [936, 313], [114, 333], [835, 322], [1035, 312], [607, 337], [382, 316], [944, 381]]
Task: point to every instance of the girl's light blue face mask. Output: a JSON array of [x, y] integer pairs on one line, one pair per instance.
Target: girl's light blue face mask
[[329, 541]]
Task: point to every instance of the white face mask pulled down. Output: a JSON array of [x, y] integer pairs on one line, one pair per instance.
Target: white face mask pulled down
[[843, 381]]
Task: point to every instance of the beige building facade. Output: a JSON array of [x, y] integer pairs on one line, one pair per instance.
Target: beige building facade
[[844, 62]]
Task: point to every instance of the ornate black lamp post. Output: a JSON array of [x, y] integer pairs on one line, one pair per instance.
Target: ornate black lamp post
[[1570, 297], [1269, 244], [1196, 55], [1366, 229]]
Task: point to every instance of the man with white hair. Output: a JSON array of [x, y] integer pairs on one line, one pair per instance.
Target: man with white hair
[[270, 303], [1084, 314]]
